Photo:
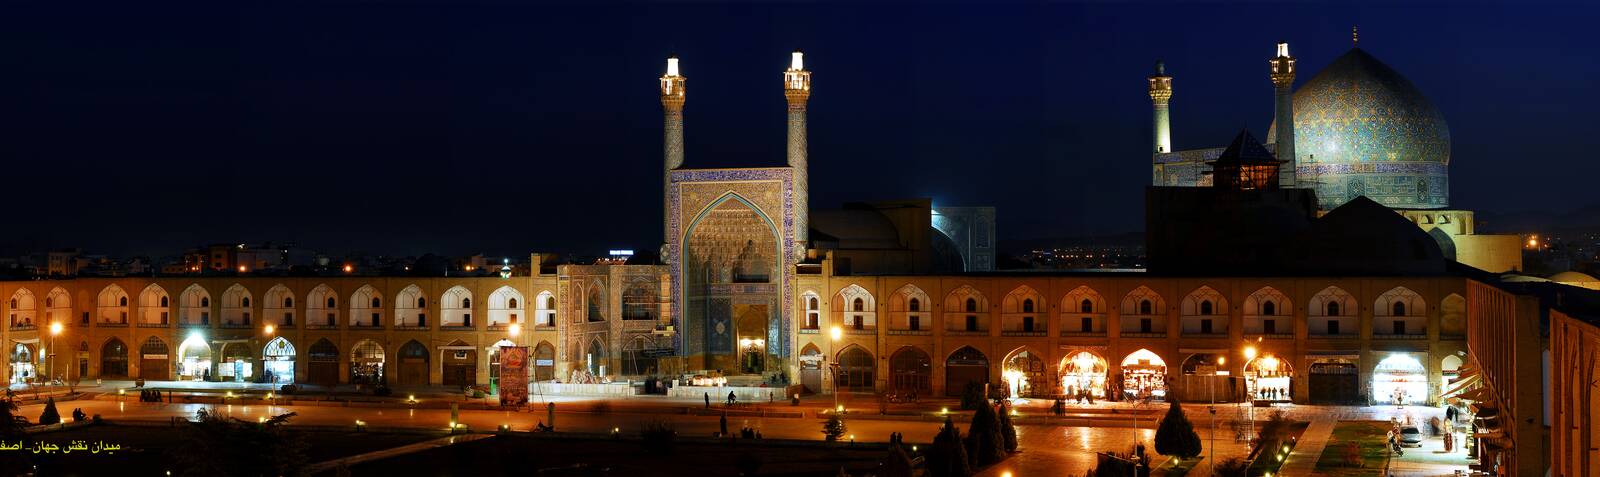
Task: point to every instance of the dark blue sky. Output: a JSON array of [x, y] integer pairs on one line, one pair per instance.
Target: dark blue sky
[[506, 128]]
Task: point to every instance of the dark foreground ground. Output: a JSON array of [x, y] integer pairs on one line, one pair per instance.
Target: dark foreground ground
[[146, 450], [537, 455]]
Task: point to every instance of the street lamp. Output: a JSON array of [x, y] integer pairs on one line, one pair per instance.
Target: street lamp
[[1249, 354], [55, 329], [269, 329], [835, 333]]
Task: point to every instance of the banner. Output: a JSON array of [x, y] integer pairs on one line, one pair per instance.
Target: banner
[[513, 375]]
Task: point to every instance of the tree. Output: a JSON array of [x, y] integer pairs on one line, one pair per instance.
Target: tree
[[833, 428], [985, 445], [898, 462], [50, 415], [219, 445], [12, 427], [972, 396], [947, 457], [1008, 431], [1175, 436]]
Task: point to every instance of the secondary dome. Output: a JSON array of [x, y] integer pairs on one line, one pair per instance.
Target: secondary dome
[[1362, 129]]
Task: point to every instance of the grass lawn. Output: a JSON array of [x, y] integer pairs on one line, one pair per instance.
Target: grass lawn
[[1370, 436], [537, 455], [146, 447]]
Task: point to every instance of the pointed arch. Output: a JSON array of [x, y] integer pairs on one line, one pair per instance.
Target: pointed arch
[[410, 307], [1025, 375], [910, 309], [194, 306], [279, 306], [1083, 300], [114, 358], [855, 308], [112, 305], [911, 371], [1204, 301], [641, 301], [1400, 301], [857, 369], [413, 364], [812, 303], [154, 305], [594, 302], [366, 308], [1143, 301], [322, 308], [1453, 315], [1023, 299], [455, 307], [506, 306], [57, 306], [964, 367], [966, 311], [545, 309], [236, 305]]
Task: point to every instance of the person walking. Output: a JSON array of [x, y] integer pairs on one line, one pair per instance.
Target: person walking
[[708, 400]]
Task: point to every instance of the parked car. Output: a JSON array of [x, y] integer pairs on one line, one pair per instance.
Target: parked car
[[1410, 436]]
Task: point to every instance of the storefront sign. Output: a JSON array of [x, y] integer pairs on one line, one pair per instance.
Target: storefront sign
[[513, 375]]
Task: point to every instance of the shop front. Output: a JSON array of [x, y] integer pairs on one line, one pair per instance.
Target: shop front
[[278, 360], [1083, 376], [1400, 379], [1025, 376], [1144, 376], [1268, 378], [23, 367], [194, 359]]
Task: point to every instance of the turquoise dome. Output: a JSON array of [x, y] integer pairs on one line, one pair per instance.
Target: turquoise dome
[[1362, 129]]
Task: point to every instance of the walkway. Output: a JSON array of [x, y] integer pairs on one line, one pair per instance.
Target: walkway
[[394, 451], [1303, 461]]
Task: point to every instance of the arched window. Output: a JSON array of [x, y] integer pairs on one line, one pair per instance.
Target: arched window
[[1333, 308], [1087, 306], [1027, 305], [1269, 308], [49, 302], [1399, 309], [123, 301], [205, 301], [422, 302], [859, 305], [1145, 307], [377, 302], [550, 302], [1205, 307], [332, 303], [466, 303], [512, 303], [164, 302], [915, 305], [972, 305], [813, 305], [244, 302], [288, 302]]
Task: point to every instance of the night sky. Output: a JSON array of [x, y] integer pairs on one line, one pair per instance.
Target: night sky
[[504, 128]]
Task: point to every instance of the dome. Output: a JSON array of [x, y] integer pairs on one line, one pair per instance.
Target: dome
[[854, 228], [1572, 277], [1364, 237], [1362, 129]]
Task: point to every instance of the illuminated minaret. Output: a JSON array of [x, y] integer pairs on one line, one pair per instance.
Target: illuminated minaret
[[1160, 93], [797, 89], [1283, 114], [672, 96]]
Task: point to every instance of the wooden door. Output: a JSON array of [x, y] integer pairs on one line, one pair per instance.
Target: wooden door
[[153, 369]]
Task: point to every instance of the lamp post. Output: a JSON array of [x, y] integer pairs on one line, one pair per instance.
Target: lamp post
[[55, 329], [1211, 388], [835, 333], [1250, 355]]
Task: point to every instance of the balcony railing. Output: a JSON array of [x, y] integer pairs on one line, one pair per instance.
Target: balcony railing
[[195, 325], [1379, 336], [1022, 333], [363, 326], [23, 327], [154, 325], [911, 332], [111, 325], [1071, 334], [322, 327], [1135, 334], [410, 328], [456, 327], [967, 333], [1271, 336], [863, 331], [236, 325], [1213, 334], [809, 331], [1340, 336]]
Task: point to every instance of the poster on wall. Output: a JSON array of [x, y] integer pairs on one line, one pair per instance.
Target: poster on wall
[[513, 375]]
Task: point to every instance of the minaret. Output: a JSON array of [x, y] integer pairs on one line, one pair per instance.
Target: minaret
[[1160, 93], [672, 96], [1283, 114], [797, 89]]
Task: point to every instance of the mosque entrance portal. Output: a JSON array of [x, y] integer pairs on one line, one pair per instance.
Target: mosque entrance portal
[[752, 337]]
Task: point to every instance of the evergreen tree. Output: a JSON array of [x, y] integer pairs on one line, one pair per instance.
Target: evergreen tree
[[972, 396], [1008, 431], [1175, 436], [833, 428], [947, 457], [985, 445], [50, 416], [898, 462]]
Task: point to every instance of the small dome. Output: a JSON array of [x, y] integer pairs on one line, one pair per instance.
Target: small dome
[[1572, 277], [1363, 129], [1364, 237], [854, 227]]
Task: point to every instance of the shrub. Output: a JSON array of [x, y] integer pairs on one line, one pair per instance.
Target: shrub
[[947, 457], [972, 396], [1008, 431], [288, 389], [78, 415], [218, 445], [897, 463], [985, 445], [1175, 436], [657, 436], [834, 428], [50, 416]]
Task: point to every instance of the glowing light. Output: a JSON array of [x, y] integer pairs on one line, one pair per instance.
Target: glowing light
[[1283, 49], [1249, 352], [269, 328], [836, 332], [1222, 360], [243, 269], [913, 448], [262, 419], [55, 328], [349, 268], [944, 410], [672, 66], [797, 61], [839, 408]]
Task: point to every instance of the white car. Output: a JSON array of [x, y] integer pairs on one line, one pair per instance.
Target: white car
[[1410, 437]]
